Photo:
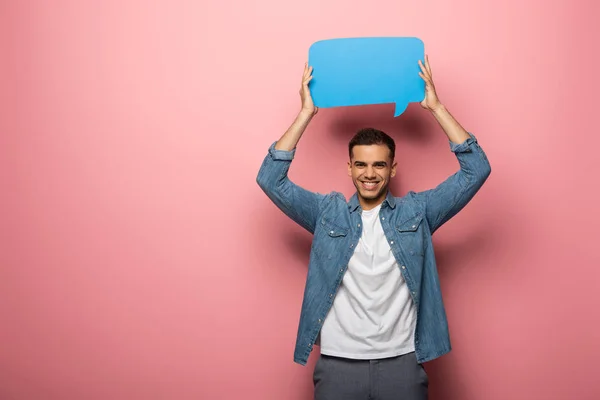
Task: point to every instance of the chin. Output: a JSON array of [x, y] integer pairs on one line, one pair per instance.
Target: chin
[[370, 195]]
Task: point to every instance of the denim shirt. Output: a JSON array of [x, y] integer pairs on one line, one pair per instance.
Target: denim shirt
[[408, 223]]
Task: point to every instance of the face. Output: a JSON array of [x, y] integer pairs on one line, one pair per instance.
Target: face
[[371, 170]]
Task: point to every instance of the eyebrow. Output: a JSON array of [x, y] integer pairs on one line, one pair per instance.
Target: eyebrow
[[375, 163]]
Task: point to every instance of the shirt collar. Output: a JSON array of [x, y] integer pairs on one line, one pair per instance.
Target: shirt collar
[[353, 204]]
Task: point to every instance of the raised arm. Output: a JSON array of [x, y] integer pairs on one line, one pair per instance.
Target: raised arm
[[448, 198], [301, 205]]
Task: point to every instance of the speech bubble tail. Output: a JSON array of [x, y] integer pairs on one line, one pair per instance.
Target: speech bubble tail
[[400, 108]]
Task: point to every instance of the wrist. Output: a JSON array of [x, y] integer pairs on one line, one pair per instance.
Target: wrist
[[438, 109], [305, 114]]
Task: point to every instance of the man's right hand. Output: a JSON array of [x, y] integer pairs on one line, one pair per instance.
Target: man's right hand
[[308, 106], [290, 138]]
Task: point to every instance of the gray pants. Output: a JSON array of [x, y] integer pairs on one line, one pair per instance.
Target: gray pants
[[396, 378]]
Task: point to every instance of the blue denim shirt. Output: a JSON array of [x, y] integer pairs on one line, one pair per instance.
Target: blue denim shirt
[[408, 223]]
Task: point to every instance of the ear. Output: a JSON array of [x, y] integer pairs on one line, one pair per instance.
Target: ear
[[393, 171], [350, 168]]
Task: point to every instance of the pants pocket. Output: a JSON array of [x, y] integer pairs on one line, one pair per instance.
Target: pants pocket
[[423, 374], [317, 370]]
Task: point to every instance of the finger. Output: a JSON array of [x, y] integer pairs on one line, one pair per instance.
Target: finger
[[423, 69], [425, 78], [428, 65]]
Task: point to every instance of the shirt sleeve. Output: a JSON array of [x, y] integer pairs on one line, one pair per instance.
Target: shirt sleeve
[[445, 200], [299, 204]]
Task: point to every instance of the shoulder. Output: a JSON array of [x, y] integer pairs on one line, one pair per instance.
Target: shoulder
[[333, 199], [412, 201], [412, 197], [334, 204]]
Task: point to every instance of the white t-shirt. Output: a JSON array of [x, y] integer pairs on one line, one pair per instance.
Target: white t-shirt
[[372, 314]]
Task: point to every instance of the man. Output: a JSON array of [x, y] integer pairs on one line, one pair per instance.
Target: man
[[372, 299]]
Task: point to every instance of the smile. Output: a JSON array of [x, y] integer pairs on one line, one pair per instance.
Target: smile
[[370, 185]]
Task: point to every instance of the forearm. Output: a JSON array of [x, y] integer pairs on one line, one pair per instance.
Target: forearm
[[290, 138], [455, 132]]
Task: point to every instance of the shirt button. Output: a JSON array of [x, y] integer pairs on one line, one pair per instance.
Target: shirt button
[[359, 225], [403, 267], [330, 295], [351, 246], [319, 320], [414, 226], [331, 232], [383, 218], [392, 242]]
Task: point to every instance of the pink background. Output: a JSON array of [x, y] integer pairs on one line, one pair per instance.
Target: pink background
[[140, 260]]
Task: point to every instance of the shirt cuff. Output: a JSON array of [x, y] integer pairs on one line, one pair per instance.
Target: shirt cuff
[[281, 154], [464, 146]]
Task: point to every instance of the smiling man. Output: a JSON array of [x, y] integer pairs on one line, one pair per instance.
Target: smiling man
[[372, 300], [371, 164]]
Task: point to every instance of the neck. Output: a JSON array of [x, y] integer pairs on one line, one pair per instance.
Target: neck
[[369, 204]]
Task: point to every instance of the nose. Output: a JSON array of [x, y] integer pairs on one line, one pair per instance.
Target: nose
[[370, 173]]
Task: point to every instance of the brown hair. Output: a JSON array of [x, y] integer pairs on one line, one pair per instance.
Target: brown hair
[[369, 136]]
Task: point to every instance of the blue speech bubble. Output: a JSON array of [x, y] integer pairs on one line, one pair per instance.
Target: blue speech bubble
[[361, 71]]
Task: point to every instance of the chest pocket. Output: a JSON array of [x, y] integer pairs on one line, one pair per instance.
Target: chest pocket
[[410, 236], [330, 240], [332, 229], [411, 224]]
